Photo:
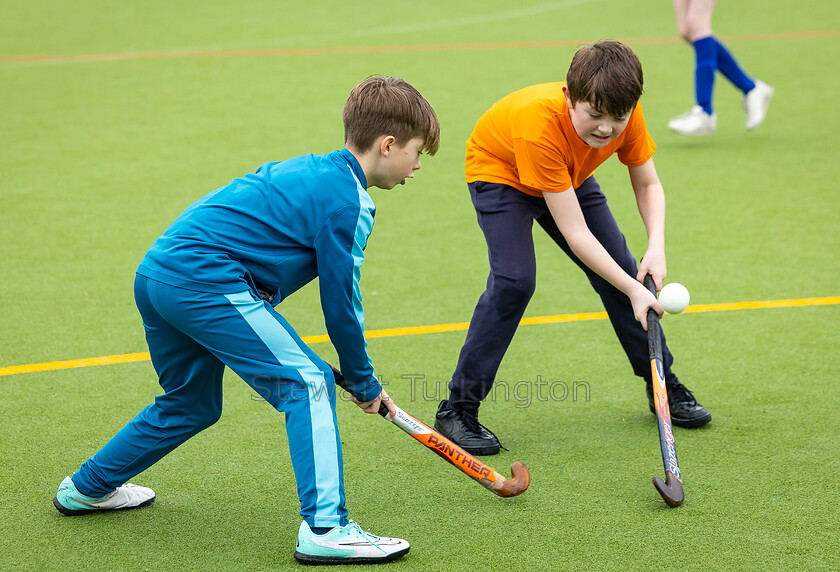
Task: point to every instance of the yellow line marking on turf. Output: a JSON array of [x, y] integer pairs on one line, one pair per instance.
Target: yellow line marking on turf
[[349, 50], [825, 301], [71, 363], [436, 329]]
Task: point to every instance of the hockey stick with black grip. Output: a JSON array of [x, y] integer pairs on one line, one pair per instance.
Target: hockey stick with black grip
[[671, 488]]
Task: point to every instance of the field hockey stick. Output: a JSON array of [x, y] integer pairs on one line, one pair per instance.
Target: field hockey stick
[[671, 489], [452, 453]]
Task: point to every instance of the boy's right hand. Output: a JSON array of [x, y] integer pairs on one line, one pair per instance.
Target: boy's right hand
[[371, 406], [642, 301], [374, 405]]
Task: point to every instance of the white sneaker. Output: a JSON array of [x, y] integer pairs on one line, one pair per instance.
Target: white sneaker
[[756, 103], [70, 502], [346, 545], [694, 122]]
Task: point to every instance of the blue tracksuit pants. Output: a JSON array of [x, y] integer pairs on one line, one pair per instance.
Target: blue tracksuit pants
[[506, 217], [192, 336]]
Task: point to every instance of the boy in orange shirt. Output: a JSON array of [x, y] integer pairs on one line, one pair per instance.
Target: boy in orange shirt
[[531, 157]]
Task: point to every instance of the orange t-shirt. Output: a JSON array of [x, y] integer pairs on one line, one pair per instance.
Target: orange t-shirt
[[527, 140]]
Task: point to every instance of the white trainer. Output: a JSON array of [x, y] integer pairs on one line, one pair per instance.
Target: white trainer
[[70, 502], [347, 545], [756, 103], [694, 122]]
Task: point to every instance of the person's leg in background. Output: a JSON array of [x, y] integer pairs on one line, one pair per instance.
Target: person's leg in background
[[694, 22]]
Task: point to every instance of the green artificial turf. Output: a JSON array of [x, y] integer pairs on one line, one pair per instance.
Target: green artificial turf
[[98, 156]]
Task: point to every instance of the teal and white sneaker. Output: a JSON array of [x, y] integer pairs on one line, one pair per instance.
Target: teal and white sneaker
[[71, 502], [347, 545]]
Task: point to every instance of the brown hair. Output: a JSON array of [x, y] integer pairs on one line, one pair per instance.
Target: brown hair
[[608, 76], [389, 106]]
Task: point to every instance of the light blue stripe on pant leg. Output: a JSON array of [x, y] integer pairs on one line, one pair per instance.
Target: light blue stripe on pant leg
[[323, 435]]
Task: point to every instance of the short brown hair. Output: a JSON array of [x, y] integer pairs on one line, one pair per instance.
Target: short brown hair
[[608, 76], [389, 106]]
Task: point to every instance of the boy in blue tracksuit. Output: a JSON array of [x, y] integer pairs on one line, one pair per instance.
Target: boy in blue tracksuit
[[206, 291]]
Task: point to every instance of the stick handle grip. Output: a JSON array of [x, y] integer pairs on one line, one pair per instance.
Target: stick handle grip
[[342, 383], [671, 489], [654, 329]]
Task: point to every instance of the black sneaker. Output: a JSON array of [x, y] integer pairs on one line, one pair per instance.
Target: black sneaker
[[685, 411], [462, 428]]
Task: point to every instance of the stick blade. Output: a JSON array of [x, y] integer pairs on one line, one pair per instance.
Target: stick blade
[[671, 490], [518, 484]]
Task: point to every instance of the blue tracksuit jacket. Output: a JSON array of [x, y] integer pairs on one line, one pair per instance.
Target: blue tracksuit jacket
[[275, 230]]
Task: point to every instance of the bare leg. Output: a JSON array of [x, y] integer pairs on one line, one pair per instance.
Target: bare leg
[[694, 18]]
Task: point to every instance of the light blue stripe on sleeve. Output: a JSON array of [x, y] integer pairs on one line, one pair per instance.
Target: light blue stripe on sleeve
[[323, 437], [364, 226]]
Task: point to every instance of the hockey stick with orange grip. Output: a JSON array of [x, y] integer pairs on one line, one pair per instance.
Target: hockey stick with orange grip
[[455, 455]]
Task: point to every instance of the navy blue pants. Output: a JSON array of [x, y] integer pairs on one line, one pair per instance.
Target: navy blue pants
[[506, 217]]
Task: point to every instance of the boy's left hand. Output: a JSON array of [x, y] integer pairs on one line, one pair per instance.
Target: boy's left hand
[[653, 263]]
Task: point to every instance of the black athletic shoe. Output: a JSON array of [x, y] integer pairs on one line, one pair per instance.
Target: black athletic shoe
[[462, 428], [685, 411]]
